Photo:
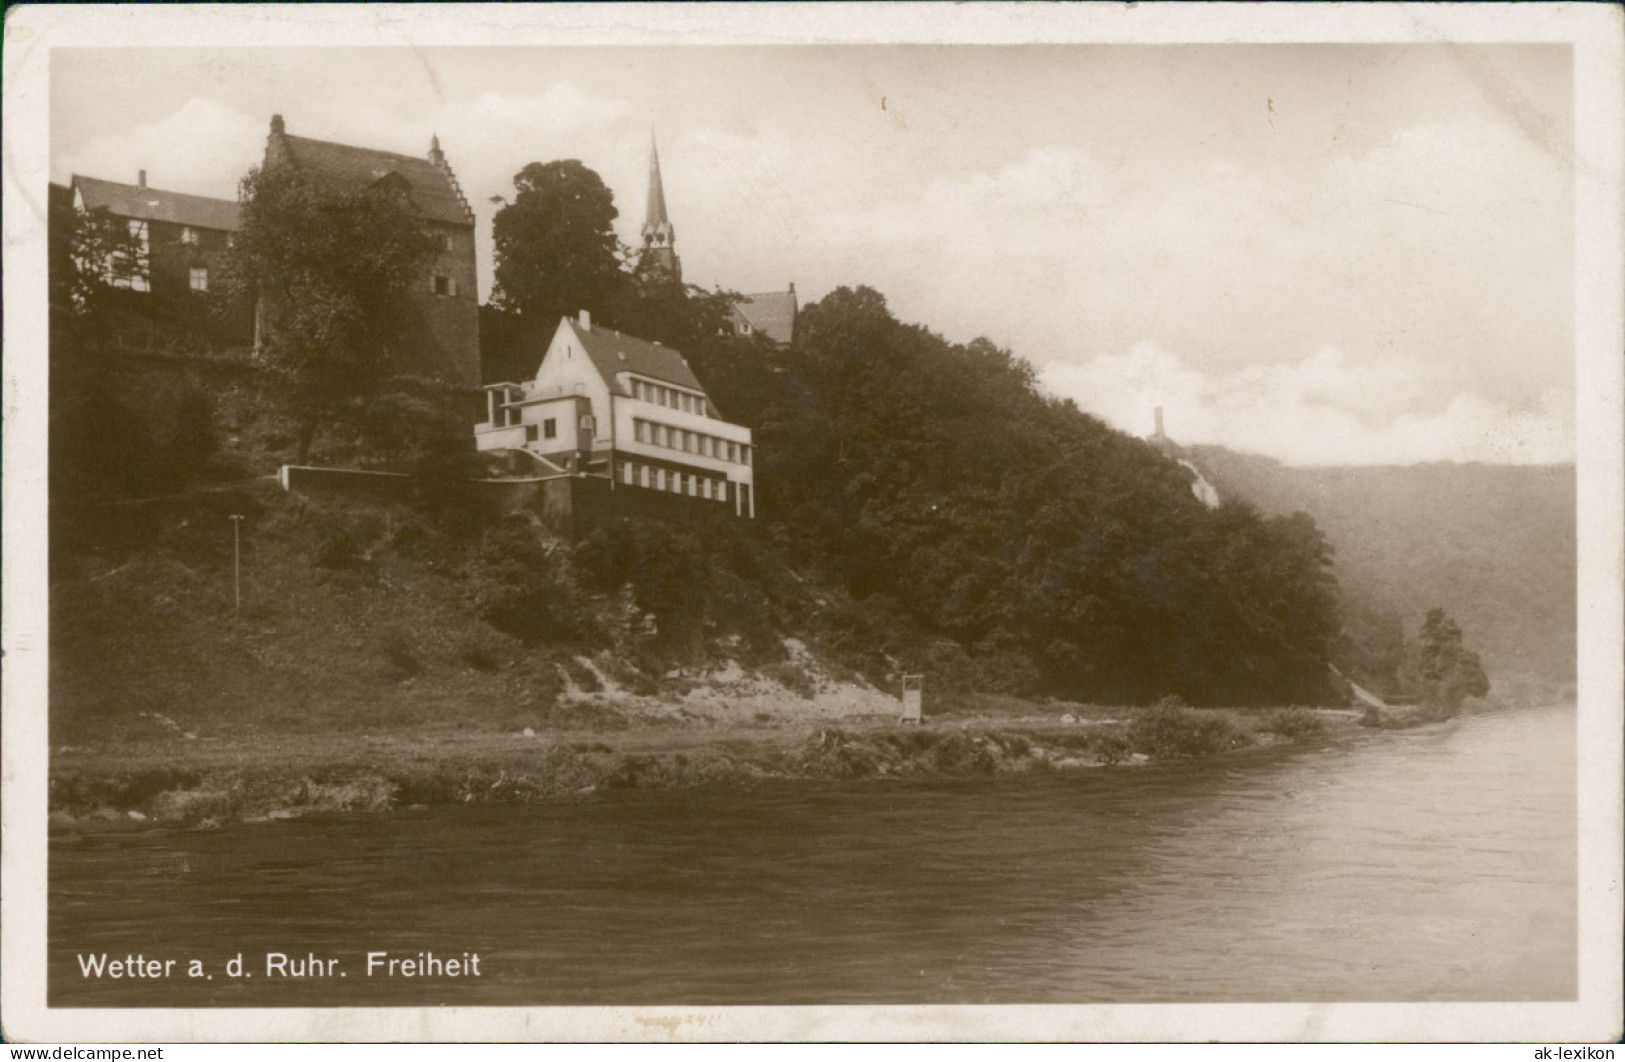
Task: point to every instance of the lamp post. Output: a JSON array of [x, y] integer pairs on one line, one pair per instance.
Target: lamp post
[[236, 565]]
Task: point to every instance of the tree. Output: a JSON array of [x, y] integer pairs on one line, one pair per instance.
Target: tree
[[556, 249], [332, 271], [1449, 672]]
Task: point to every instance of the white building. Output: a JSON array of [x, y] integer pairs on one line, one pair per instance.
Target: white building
[[613, 406]]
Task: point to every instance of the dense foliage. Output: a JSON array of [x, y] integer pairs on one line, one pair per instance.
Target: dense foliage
[[332, 269], [109, 439], [557, 254], [556, 250], [1447, 671], [972, 521]]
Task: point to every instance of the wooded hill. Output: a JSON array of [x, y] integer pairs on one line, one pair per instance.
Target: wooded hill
[[1492, 544]]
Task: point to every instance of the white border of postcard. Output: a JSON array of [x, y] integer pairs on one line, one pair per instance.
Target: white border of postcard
[[1595, 32]]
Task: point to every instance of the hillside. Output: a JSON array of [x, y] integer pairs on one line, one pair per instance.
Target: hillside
[[1492, 544]]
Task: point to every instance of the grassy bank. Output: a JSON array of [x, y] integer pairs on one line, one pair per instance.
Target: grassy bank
[[202, 782]]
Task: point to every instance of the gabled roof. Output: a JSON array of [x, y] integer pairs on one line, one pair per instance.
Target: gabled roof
[[613, 352], [772, 313], [154, 204], [345, 168]]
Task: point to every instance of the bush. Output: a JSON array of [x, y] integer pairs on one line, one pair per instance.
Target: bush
[[1292, 723], [524, 587], [1111, 748], [1168, 732]]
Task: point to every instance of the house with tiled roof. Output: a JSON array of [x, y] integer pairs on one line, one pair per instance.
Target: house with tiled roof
[[176, 239], [624, 410], [771, 314], [445, 303]]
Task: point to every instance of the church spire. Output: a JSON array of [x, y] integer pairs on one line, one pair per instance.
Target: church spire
[[659, 238]]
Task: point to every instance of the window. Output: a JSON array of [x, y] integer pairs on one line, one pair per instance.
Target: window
[[745, 454], [531, 432], [693, 486], [550, 428], [189, 235], [705, 408], [660, 479], [626, 472], [128, 268], [640, 430], [643, 475], [665, 435], [444, 285], [200, 278], [445, 241], [705, 489]]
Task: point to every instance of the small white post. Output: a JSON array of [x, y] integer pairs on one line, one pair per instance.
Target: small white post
[[913, 687]]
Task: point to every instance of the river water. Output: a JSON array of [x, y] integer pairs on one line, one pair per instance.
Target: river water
[[1433, 864]]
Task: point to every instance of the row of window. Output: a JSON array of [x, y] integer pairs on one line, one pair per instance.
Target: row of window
[[670, 397], [692, 442], [636, 475]]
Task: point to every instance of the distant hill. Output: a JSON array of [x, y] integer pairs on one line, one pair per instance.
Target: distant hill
[[1492, 544]]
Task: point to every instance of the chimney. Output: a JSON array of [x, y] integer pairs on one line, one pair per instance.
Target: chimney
[[1159, 434], [792, 287], [436, 156], [141, 178], [276, 124], [585, 318]]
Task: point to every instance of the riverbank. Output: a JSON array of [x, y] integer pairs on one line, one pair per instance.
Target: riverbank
[[202, 781]]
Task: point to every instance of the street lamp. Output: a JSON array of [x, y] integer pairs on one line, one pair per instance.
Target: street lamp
[[236, 565]]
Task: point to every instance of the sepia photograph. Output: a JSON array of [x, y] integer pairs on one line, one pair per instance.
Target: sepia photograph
[[795, 522]]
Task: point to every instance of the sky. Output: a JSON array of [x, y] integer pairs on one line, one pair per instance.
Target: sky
[[1328, 254]]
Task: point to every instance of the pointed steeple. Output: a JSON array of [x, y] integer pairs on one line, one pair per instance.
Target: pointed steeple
[[436, 156], [659, 238]]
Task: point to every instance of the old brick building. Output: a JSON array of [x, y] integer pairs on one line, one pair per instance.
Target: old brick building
[[445, 317], [177, 244]]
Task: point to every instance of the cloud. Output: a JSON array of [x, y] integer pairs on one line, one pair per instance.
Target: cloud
[[204, 148], [1322, 409]]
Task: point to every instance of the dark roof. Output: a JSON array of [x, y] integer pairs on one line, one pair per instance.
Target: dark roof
[[347, 168], [154, 204], [772, 313], [612, 352]]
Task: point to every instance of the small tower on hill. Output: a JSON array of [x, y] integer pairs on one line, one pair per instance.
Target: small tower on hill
[[659, 239]]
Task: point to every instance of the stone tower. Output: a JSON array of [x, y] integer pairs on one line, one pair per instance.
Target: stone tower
[[659, 239]]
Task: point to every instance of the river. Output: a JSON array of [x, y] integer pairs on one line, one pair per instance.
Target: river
[[1436, 864]]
